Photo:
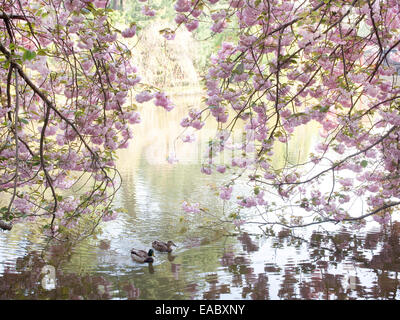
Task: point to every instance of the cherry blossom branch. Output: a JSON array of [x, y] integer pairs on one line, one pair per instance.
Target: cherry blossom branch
[[352, 219]]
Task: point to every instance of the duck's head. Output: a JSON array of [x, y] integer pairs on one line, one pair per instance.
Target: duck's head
[[170, 243], [151, 253]]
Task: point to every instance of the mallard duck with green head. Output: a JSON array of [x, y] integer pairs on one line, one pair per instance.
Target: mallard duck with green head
[[163, 246], [142, 256]]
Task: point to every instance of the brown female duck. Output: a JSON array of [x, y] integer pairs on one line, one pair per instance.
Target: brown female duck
[[163, 246]]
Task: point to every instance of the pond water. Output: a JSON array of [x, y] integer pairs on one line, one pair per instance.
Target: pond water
[[208, 263]]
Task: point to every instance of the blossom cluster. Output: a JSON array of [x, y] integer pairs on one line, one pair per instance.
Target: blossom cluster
[[67, 79], [334, 63]]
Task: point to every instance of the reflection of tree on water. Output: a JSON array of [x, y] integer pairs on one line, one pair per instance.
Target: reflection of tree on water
[[132, 291], [387, 263], [248, 244], [335, 269], [258, 287], [332, 249], [317, 278], [25, 281]]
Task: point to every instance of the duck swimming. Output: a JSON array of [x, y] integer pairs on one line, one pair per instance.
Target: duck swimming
[[163, 246], [142, 256]]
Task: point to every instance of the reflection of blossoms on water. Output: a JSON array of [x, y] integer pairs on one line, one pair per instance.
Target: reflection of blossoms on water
[[228, 258], [132, 291], [283, 265], [175, 269], [248, 243]]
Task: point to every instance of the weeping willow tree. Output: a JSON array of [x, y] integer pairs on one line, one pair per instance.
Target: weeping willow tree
[[165, 63]]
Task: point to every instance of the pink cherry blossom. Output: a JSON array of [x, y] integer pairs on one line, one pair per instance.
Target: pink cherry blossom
[[188, 138], [144, 96], [226, 193], [192, 25], [130, 32], [147, 11], [191, 208]]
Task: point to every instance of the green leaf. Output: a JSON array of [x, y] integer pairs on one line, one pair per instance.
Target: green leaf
[[24, 120], [28, 55], [364, 163], [6, 65], [324, 109], [41, 52]]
